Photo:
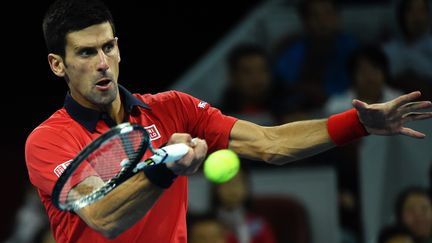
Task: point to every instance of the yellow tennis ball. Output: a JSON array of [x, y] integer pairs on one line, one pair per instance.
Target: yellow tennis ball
[[222, 165]]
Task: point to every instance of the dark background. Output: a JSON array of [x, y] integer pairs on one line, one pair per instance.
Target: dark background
[[159, 41]]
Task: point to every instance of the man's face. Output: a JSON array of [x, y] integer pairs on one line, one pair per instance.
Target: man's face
[[417, 20], [369, 80], [252, 76], [417, 215], [207, 231], [92, 65], [233, 193], [322, 20]]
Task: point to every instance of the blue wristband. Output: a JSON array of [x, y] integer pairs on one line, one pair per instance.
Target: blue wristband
[[160, 175]]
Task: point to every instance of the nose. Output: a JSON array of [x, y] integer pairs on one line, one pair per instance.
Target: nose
[[102, 65]]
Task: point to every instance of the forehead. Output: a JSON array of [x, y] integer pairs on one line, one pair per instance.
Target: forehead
[[91, 36], [416, 198]]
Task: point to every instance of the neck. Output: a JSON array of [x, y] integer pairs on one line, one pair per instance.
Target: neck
[[116, 110]]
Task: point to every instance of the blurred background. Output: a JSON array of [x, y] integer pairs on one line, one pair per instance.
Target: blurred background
[[266, 61]]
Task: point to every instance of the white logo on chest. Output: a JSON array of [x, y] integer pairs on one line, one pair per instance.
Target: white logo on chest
[[153, 132]]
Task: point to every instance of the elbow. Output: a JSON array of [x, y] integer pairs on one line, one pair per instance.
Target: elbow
[[110, 233], [107, 228], [277, 159]]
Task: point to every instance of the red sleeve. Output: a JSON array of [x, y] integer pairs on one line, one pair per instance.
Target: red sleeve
[[48, 152], [204, 121]]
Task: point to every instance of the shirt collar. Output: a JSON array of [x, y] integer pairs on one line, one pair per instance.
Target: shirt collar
[[89, 117]]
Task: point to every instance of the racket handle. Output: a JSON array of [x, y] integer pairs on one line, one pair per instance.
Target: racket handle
[[170, 153], [165, 154]]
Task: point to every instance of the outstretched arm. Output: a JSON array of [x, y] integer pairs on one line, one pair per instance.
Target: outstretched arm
[[293, 141]]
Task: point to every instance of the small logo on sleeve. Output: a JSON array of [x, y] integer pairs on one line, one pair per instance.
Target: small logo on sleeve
[[61, 168], [202, 104], [153, 132]]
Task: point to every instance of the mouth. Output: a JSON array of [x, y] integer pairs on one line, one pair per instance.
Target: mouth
[[103, 84]]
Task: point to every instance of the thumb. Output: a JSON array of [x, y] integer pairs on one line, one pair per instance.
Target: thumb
[[359, 105]]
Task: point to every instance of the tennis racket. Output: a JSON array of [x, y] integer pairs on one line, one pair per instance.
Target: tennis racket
[[107, 162]]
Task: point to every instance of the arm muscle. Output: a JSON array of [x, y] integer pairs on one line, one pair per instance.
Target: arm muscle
[[280, 144]]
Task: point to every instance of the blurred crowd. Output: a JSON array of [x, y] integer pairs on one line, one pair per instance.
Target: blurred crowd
[[318, 72], [313, 73]]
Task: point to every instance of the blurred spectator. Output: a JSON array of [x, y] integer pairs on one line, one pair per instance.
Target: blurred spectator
[[44, 236], [414, 211], [368, 69], [312, 67], [30, 221], [205, 228], [231, 202], [277, 208], [248, 95], [410, 54], [430, 180], [395, 234]]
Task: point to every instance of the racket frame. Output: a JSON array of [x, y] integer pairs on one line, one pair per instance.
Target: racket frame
[[125, 173]]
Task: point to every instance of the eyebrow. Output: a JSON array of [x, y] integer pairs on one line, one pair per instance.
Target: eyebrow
[[106, 42]]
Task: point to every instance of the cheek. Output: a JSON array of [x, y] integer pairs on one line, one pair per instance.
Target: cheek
[[408, 218], [76, 70]]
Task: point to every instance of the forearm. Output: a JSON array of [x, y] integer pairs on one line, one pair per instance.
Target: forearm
[[280, 144], [123, 207]]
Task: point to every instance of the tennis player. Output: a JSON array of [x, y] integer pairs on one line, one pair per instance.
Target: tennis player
[[83, 48]]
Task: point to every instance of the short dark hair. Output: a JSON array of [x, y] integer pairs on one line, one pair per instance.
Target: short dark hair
[[64, 16], [372, 54], [402, 8], [243, 50], [403, 196], [390, 231]]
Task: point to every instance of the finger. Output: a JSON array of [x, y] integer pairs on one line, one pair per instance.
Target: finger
[[414, 106], [416, 116], [194, 142], [200, 152], [411, 133], [180, 138], [404, 99], [359, 105], [200, 149]]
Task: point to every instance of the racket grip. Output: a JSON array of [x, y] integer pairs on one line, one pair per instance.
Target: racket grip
[[170, 153], [165, 154]]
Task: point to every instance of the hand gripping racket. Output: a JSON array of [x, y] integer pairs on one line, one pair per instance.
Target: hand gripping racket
[[107, 162]]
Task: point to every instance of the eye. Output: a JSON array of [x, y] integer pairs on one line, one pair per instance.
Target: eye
[[86, 52], [108, 47]]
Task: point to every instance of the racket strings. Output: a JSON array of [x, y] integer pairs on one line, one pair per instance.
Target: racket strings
[[102, 165]]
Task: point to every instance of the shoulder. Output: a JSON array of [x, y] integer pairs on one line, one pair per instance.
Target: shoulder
[[168, 97], [58, 127]]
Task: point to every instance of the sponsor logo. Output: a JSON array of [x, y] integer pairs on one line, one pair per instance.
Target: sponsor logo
[[61, 168], [202, 104], [153, 132]]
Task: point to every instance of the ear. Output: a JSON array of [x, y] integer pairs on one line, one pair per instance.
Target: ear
[[57, 65], [118, 49]]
